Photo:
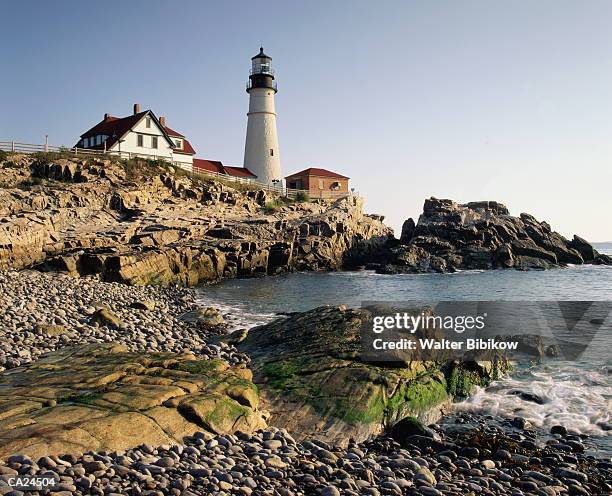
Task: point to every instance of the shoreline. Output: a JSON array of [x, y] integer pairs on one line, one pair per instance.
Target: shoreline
[[432, 463]]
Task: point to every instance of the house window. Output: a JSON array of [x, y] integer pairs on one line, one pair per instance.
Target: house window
[[148, 122], [178, 143], [140, 140], [271, 152], [98, 139], [321, 186], [153, 141]]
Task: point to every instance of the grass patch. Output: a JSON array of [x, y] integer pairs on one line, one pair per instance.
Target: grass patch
[[276, 204], [28, 183], [301, 196], [207, 179], [82, 399], [137, 167]]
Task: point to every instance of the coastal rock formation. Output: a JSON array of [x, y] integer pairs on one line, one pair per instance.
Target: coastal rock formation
[[102, 397], [139, 222], [481, 235], [313, 380]]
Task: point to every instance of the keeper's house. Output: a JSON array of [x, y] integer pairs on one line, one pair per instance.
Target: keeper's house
[[319, 183], [144, 135], [141, 134]]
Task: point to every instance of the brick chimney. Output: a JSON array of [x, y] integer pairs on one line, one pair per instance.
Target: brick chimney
[[106, 116], [136, 108], [162, 120]]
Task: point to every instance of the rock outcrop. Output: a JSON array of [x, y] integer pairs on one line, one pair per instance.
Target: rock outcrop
[[480, 235], [99, 397], [314, 382], [147, 223]]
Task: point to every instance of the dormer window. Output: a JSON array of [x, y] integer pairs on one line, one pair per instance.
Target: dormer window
[[178, 143]]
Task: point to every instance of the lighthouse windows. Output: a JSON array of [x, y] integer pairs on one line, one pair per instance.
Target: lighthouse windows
[[271, 152]]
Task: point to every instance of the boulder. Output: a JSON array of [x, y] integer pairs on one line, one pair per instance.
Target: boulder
[[143, 305], [315, 381], [50, 329], [103, 317], [407, 231], [100, 397], [410, 426], [208, 316]]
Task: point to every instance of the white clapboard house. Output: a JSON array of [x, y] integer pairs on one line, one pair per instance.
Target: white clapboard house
[[141, 134]]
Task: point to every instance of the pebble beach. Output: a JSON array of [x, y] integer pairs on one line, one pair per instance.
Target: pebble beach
[[466, 454]]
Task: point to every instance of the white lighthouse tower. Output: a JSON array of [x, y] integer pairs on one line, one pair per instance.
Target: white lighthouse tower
[[261, 153]]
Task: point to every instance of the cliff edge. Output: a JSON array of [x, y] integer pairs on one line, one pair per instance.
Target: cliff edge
[[143, 222]]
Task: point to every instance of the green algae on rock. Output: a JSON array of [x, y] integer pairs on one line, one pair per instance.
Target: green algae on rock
[[100, 396], [312, 378]]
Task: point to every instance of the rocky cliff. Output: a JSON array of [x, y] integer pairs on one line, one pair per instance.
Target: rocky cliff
[[480, 235], [142, 222]]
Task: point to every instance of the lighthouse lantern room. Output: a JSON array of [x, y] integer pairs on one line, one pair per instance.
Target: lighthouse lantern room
[[261, 152]]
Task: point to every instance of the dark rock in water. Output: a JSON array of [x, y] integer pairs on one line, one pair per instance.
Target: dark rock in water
[[532, 397], [558, 429], [583, 247], [410, 426], [520, 423], [530, 344], [481, 235], [602, 260], [552, 351]]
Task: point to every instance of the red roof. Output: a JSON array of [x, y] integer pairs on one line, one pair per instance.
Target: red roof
[[187, 148], [208, 165], [313, 171], [238, 171], [172, 132], [217, 167], [116, 127]]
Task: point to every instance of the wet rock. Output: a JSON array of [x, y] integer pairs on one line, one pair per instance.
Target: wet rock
[[558, 429]]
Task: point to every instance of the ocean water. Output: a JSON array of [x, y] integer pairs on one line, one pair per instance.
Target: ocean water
[[576, 394]]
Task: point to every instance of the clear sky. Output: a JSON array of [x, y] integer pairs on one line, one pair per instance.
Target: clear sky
[[469, 100]]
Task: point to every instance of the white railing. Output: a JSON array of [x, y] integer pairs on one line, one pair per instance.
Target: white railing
[[18, 147]]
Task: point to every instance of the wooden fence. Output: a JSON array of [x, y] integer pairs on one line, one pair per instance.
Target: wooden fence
[[18, 147]]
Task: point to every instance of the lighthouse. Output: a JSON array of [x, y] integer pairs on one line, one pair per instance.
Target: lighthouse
[[261, 153]]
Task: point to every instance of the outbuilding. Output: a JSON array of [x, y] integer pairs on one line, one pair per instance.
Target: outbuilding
[[319, 183]]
